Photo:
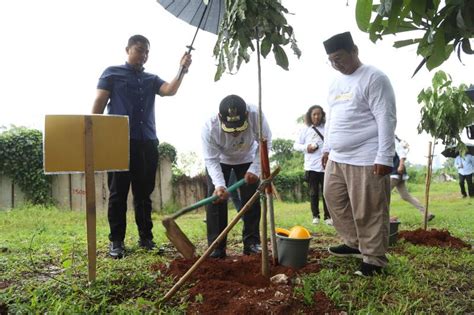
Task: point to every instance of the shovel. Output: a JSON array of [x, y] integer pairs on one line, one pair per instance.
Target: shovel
[[174, 233]]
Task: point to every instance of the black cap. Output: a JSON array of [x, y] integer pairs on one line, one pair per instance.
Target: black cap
[[233, 114], [339, 41]]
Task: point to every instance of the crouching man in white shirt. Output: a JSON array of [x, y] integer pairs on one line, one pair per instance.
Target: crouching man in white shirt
[[230, 141]]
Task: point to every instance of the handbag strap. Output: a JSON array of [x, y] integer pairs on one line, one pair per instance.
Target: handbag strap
[[319, 133]]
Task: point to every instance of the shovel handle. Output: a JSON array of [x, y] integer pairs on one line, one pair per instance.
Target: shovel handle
[[205, 201]]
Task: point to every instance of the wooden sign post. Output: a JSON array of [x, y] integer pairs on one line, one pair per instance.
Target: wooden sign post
[[90, 197], [86, 144]]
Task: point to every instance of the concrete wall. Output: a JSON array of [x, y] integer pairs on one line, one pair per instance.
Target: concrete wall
[[69, 193], [189, 191], [10, 194]]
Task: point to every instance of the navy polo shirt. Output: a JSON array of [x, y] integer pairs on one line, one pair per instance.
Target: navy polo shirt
[[132, 93]]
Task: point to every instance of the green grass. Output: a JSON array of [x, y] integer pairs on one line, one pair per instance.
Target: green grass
[[43, 262]]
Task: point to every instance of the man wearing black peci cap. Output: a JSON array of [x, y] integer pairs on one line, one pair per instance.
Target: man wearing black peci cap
[[230, 141], [358, 155]]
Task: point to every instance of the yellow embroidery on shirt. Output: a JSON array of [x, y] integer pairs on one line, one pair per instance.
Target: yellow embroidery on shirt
[[343, 97]]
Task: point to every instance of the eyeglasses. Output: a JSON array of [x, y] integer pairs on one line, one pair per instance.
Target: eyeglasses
[[337, 60]]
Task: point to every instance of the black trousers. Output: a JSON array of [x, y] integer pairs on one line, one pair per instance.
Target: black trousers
[[217, 214], [316, 184], [141, 175], [470, 185]]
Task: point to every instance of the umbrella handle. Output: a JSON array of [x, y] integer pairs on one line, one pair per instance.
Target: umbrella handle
[[183, 70]]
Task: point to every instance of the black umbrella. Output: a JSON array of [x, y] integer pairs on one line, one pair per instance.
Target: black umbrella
[[470, 92], [452, 152], [205, 15]]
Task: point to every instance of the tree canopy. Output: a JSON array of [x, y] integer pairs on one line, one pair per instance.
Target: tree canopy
[[247, 20], [440, 29], [446, 110]]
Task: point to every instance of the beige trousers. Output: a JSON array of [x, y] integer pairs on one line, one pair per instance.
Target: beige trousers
[[358, 202], [405, 195]]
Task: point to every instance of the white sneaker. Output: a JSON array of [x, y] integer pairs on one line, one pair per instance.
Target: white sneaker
[[328, 222], [315, 220]]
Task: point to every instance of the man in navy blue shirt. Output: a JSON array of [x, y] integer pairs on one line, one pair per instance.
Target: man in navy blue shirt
[[129, 90]]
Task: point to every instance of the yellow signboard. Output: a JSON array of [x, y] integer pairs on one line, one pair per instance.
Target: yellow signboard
[[64, 143]]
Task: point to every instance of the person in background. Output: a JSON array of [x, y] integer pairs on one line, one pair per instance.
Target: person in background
[[359, 145], [230, 141], [465, 167], [129, 90], [399, 176], [310, 141]]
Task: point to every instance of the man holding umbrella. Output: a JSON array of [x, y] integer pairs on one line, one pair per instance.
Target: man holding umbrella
[[230, 141], [129, 90]]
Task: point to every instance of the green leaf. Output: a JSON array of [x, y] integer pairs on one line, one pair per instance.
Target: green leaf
[[406, 42], [375, 28], [438, 53], [363, 14], [280, 56], [220, 68], [266, 46], [394, 12], [466, 46], [405, 9], [418, 8]]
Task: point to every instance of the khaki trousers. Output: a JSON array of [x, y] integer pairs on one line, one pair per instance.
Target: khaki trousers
[[405, 195], [358, 202]]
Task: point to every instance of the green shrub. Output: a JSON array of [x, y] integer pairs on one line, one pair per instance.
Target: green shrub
[[21, 159], [167, 150], [291, 186]]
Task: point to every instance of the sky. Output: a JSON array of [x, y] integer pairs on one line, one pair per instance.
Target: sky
[[54, 51]]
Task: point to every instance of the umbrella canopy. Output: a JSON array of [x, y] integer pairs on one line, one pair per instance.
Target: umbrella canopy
[[452, 152], [192, 11], [470, 92]]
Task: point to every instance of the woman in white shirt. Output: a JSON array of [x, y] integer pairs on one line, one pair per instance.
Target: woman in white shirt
[[310, 141]]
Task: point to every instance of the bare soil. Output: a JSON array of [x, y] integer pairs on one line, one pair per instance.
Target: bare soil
[[433, 237], [235, 285]]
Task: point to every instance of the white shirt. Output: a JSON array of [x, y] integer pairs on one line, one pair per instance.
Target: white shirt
[[360, 125], [306, 136], [221, 147], [402, 148], [465, 165]]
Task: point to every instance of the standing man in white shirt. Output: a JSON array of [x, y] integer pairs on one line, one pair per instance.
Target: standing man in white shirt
[[357, 155], [230, 141], [310, 141], [465, 167]]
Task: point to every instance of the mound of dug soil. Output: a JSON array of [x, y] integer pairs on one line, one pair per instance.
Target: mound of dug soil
[[235, 285], [433, 237]]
